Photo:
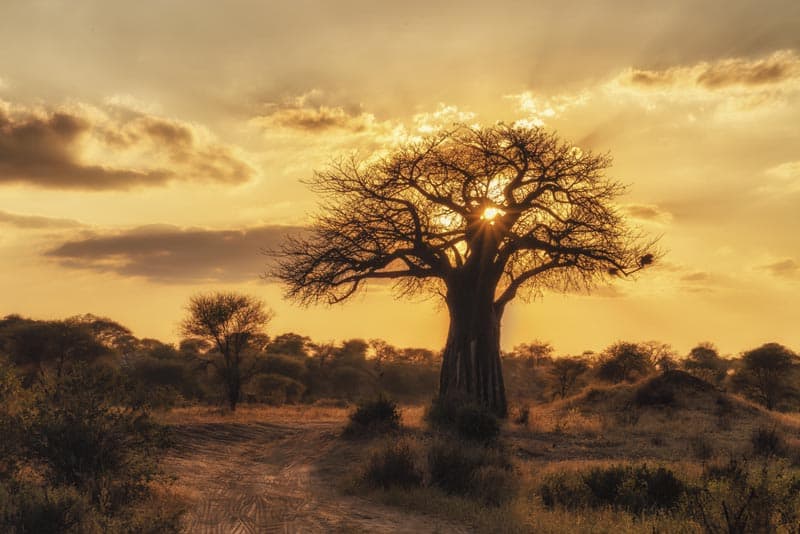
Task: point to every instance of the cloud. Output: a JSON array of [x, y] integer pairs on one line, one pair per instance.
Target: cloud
[[89, 148], [787, 268], [647, 212], [173, 255], [537, 109], [698, 276], [311, 112], [706, 282], [780, 66], [36, 222]]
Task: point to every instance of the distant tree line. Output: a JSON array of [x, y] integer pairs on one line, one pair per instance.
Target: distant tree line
[[768, 375], [292, 368]]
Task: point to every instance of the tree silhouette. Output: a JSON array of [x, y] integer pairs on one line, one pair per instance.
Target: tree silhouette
[[767, 374], [228, 322], [477, 215]]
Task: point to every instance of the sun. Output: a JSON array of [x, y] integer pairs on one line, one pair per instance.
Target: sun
[[490, 214]]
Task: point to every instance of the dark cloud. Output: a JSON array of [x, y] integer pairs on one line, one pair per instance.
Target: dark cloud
[[43, 151], [47, 150], [173, 255], [35, 222], [787, 268], [773, 69]]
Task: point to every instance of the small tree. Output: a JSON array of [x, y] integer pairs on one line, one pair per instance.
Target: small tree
[[624, 361], [534, 353], [227, 321], [705, 362], [766, 374], [566, 372]]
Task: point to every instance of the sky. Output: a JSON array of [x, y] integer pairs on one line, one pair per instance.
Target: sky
[[150, 150]]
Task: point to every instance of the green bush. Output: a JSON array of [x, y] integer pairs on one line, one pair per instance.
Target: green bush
[[374, 417], [392, 466]]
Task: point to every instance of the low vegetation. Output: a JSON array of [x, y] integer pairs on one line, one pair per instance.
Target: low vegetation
[[632, 439]]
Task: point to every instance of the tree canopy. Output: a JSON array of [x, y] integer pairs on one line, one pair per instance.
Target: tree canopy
[[540, 209]]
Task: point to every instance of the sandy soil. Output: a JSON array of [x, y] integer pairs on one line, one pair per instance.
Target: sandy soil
[[247, 475]]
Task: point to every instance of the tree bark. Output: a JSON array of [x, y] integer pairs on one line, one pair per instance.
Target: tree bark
[[471, 369]]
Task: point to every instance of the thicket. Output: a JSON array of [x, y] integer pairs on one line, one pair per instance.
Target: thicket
[[80, 454]]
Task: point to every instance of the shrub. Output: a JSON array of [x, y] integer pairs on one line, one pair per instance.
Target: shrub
[[767, 442], [737, 498], [470, 421], [86, 459], [441, 414], [655, 393], [701, 447], [476, 423], [458, 468], [26, 507], [523, 416], [634, 489], [392, 466], [277, 364], [374, 417], [494, 485], [275, 389]]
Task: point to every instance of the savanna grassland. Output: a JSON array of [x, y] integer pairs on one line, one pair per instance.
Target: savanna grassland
[[105, 432]]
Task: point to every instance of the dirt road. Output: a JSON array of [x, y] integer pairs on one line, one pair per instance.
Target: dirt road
[[254, 477]]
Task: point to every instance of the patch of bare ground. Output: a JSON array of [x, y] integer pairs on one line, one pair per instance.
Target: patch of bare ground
[[273, 470]]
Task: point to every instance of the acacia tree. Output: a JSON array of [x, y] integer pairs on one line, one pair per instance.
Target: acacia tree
[[477, 215], [228, 321]]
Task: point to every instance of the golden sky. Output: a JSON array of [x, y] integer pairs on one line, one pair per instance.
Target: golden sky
[[149, 150]]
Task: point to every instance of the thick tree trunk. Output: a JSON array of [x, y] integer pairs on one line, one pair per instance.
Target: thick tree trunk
[[471, 370]]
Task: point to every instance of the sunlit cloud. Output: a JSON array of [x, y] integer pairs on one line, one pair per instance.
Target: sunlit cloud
[[80, 146], [779, 67], [445, 116], [730, 86], [537, 110], [312, 113], [36, 222]]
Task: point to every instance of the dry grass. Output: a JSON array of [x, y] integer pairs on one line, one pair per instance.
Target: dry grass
[[253, 413], [599, 427]]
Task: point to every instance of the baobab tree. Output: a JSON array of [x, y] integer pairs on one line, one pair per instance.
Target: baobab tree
[[478, 215]]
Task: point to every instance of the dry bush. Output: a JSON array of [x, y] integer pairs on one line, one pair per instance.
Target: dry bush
[[392, 466], [373, 417]]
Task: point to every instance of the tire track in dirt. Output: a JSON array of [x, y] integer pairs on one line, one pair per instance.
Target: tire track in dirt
[[263, 478]]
